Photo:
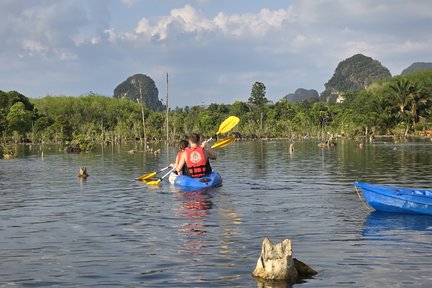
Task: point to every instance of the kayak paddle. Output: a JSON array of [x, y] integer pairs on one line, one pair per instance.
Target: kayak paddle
[[228, 124], [148, 176], [156, 182], [223, 142]]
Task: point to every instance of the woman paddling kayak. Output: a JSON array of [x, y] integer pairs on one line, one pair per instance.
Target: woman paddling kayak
[[183, 145]]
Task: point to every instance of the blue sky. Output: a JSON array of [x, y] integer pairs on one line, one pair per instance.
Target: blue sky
[[214, 50]]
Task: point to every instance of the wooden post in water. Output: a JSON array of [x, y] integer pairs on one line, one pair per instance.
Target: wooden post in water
[[167, 111], [143, 118], [33, 133]]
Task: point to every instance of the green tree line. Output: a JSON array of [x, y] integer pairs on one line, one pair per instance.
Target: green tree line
[[398, 106]]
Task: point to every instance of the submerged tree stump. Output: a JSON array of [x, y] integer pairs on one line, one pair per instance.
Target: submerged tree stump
[[291, 148], [276, 262], [83, 173]]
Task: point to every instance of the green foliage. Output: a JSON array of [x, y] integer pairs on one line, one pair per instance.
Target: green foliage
[[258, 94], [258, 100], [239, 108], [19, 119], [395, 106], [412, 100], [16, 114], [84, 141], [398, 106], [8, 152]]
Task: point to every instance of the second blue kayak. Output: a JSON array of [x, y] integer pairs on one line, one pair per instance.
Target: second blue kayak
[[397, 199], [212, 180]]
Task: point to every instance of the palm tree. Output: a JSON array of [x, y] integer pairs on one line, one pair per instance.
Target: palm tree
[[419, 104], [258, 99], [405, 96], [382, 115], [402, 90]]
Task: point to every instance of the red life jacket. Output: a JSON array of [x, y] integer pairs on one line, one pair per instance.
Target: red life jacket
[[196, 162]]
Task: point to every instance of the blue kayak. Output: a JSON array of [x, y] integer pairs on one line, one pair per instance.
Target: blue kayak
[[212, 180], [396, 199]]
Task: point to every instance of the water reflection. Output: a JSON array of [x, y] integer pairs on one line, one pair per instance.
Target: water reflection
[[194, 208], [380, 223], [260, 152], [395, 249], [261, 283], [228, 220]]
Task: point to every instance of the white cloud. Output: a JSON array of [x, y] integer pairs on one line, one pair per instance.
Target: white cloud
[[95, 40], [112, 35], [300, 26], [34, 47], [256, 25], [189, 20], [65, 55], [186, 18], [79, 39], [129, 2]]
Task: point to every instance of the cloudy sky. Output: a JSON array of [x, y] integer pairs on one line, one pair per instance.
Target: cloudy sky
[[214, 50]]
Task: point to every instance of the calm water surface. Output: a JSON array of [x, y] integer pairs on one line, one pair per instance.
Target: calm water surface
[[111, 231]]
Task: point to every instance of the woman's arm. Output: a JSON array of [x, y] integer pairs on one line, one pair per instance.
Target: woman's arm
[[174, 165], [181, 163]]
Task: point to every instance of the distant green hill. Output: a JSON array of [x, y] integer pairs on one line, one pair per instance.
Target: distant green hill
[[352, 75], [416, 66], [130, 89], [302, 94]]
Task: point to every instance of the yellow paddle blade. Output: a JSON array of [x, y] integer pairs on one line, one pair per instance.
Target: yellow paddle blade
[[223, 142], [228, 124], [155, 182], [148, 180], [146, 176]]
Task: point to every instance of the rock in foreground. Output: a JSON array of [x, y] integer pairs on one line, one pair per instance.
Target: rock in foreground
[[276, 263]]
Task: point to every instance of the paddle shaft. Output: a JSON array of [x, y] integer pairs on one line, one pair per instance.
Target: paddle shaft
[[150, 175], [165, 168], [169, 172]]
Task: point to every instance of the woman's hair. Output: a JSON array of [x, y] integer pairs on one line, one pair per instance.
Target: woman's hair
[[194, 138], [183, 144]]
